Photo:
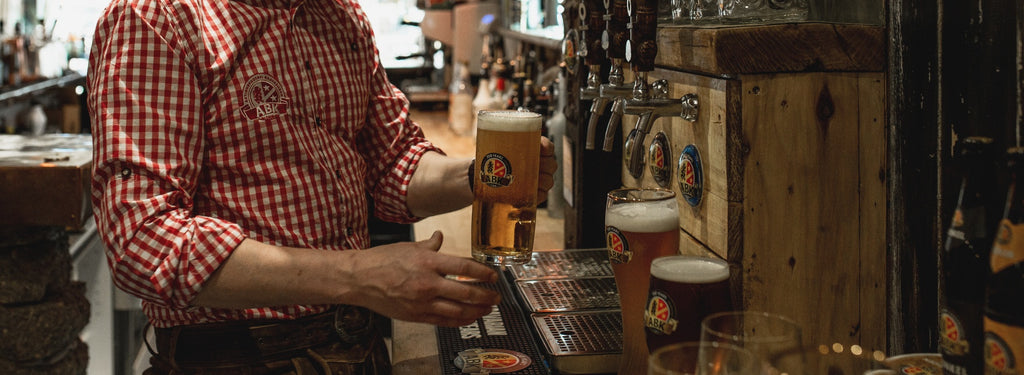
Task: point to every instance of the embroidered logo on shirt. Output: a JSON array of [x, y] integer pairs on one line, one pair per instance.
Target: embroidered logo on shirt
[[263, 97]]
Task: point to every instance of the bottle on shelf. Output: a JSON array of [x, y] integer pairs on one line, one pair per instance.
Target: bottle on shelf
[[460, 101], [1004, 295], [965, 257], [556, 132]]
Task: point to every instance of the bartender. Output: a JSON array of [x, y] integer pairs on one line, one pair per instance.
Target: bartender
[[236, 142]]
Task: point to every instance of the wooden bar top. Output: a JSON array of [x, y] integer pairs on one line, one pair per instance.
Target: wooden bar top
[[791, 47], [44, 180]]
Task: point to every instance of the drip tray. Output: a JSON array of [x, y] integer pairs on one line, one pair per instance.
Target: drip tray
[[565, 295], [578, 263], [582, 342]]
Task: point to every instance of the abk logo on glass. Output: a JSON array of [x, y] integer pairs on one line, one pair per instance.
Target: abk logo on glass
[[618, 247], [659, 317], [496, 171]]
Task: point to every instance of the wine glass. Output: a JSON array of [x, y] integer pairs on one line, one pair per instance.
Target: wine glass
[[775, 339], [697, 358]]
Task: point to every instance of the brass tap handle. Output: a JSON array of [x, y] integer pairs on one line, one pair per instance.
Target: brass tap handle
[[592, 13], [616, 32], [643, 35]]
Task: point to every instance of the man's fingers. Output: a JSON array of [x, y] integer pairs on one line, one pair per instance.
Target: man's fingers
[[434, 242]]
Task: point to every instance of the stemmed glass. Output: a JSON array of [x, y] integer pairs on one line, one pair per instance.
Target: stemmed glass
[[697, 358], [774, 339]]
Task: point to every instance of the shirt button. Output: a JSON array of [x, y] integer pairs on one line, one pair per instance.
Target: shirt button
[[308, 65], [319, 123], [125, 173], [349, 231], [337, 174], [354, 46]]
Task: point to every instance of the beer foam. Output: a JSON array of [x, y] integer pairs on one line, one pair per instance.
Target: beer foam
[[509, 121], [689, 269], [652, 217]]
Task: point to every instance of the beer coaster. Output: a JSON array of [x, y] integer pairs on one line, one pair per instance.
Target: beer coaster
[[493, 361]]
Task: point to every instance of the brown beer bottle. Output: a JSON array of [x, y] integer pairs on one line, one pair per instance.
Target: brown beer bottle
[[1004, 302], [965, 257]]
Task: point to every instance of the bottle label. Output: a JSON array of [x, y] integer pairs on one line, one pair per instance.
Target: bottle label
[[952, 337], [1004, 348], [1009, 246]]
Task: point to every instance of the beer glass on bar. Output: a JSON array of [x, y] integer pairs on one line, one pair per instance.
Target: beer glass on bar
[[640, 225], [505, 186], [775, 339], [697, 358], [684, 290]]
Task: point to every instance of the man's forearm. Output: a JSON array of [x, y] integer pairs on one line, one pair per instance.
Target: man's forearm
[[258, 274], [440, 185]]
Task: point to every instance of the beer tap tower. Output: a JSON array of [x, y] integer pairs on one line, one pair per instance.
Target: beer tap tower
[[648, 101], [613, 39]]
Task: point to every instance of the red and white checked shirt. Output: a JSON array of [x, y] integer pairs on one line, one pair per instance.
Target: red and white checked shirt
[[219, 120]]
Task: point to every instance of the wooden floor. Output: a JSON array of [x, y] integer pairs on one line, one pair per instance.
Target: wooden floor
[[455, 226]]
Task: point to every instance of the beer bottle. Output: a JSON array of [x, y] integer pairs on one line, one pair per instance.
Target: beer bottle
[[1004, 301], [965, 257]]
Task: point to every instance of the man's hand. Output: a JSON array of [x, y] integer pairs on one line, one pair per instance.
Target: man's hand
[[548, 165], [407, 281]]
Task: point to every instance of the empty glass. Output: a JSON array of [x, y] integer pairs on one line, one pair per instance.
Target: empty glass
[[696, 358], [763, 11], [776, 340]]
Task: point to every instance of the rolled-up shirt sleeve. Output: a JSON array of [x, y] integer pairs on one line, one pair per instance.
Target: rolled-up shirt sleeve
[[148, 135], [393, 145]]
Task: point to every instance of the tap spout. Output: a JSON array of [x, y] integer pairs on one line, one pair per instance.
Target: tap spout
[[596, 109], [618, 106], [636, 159]]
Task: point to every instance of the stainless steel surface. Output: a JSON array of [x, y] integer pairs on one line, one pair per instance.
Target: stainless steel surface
[[582, 342], [563, 295], [576, 263]]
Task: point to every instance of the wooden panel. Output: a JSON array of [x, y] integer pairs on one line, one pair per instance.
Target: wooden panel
[[45, 180], [711, 223], [873, 210], [816, 145], [799, 47]]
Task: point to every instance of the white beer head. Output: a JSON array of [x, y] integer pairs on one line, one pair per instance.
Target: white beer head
[[644, 216], [509, 121], [690, 269]]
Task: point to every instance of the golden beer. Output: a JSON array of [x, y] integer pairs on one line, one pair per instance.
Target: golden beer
[[640, 225], [684, 290], [505, 186]]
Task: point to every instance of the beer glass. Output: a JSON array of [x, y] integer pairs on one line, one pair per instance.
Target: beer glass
[[696, 358], [775, 339], [505, 186], [684, 290], [640, 225]]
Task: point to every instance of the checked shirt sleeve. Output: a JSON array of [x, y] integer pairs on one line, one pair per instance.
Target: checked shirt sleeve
[[148, 136], [393, 146]]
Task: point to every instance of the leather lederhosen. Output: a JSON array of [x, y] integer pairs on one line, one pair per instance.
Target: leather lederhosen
[[343, 340]]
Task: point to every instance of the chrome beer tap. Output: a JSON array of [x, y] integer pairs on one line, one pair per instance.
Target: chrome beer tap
[[613, 40], [649, 101]]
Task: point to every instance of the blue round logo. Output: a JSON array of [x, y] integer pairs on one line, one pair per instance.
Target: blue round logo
[[691, 175]]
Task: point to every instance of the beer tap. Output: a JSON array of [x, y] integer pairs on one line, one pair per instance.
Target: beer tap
[[649, 101], [592, 27], [613, 40]]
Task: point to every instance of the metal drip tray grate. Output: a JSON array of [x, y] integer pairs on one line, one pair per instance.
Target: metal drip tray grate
[[567, 263], [582, 342], [564, 295]]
